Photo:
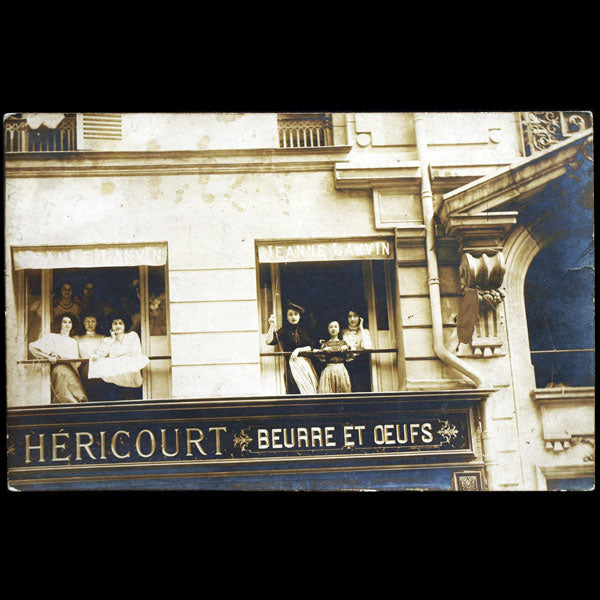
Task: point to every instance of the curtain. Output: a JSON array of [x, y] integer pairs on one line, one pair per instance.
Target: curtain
[[50, 120]]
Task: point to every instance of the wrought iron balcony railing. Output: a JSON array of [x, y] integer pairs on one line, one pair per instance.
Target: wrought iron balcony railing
[[304, 130], [543, 129], [19, 136]]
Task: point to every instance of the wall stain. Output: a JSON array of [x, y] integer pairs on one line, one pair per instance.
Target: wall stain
[[208, 198], [202, 179], [228, 117], [203, 143], [237, 207], [154, 185], [152, 145], [238, 181], [108, 187]]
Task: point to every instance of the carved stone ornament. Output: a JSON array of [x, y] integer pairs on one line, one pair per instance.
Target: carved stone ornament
[[562, 445], [479, 321]]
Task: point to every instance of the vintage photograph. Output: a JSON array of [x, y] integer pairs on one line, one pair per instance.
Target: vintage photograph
[[332, 301]]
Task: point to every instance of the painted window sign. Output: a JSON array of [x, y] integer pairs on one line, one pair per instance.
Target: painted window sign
[[356, 249]]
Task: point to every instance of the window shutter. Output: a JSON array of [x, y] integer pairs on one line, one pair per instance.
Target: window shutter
[[102, 126]]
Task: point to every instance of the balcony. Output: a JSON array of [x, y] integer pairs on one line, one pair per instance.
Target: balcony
[[543, 129], [26, 134], [307, 130]]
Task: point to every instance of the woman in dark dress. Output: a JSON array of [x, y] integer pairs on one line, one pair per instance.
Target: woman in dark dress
[[300, 375]]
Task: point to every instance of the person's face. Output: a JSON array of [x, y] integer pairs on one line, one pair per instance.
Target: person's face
[[90, 324], [353, 319], [66, 325], [66, 291], [118, 326], [334, 328], [293, 316], [88, 290]]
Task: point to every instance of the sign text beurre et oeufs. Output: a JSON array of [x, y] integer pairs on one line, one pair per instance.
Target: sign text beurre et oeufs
[[218, 442]]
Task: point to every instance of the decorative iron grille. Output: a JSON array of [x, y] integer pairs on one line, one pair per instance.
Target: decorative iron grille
[[543, 129], [19, 137], [304, 131]]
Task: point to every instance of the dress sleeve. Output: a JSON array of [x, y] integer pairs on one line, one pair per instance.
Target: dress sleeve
[[276, 336], [41, 346], [134, 346], [366, 343]]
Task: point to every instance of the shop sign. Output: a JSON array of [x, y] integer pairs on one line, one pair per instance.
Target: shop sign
[[99, 441], [357, 249]]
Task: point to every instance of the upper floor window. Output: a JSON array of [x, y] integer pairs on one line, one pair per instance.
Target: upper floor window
[[546, 128], [304, 130], [40, 132]]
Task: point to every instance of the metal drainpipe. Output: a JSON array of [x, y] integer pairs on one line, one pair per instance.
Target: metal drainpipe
[[432, 265]]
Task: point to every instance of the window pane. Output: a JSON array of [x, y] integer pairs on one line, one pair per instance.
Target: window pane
[[157, 301], [33, 302], [573, 483]]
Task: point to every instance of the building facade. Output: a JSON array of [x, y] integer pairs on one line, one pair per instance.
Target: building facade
[[463, 240]]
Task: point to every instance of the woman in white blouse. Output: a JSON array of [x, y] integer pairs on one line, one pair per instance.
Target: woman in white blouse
[[358, 365], [64, 378], [89, 343], [119, 360]]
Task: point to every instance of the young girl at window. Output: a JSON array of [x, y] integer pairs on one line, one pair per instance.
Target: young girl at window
[[64, 378], [89, 343], [334, 378], [359, 365], [119, 361], [300, 374]]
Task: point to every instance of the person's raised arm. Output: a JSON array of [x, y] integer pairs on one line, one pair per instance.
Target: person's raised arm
[[271, 332]]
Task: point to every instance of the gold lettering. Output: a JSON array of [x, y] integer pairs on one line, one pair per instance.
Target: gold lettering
[[196, 442], [278, 252], [217, 431], [348, 435], [349, 251], [103, 444], [113, 445], [321, 250], [285, 440], [290, 253], [86, 446], [385, 247], [379, 439], [263, 439], [316, 434], [360, 428], [413, 433], [401, 439], [303, 436], [389, 434], [29, 447], [138, 445], [163, 443], [329, 441], [275, 438], [56, 447], [426, 434]]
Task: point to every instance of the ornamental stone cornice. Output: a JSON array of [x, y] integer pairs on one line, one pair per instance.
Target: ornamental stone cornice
[[135, 163], [566, 415], [519, 180], [405, 175]]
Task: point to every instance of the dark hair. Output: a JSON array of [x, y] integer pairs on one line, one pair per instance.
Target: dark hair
[[89, 313], [56, 323], [358, 312], [119, 315]]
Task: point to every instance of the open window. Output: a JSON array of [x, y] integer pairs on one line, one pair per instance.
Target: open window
[[78, 279], [328, 279]]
